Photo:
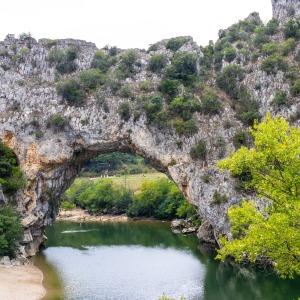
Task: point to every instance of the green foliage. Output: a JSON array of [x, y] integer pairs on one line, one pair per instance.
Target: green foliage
[[160, 198], [175, 43], [274, 63], [280, 99], [169, 88], [157, 62], [101, 61], [102, 196], [219, 198], [71, 90], [221, 146], [182, 127], [270, 48], [288, 46], [292, 29], [229, 54], [127, 64], [210, 104], [229, 78], [153, 107], [269, 234], [272, 26], [199, 151], [65, 205], [57, 123], [11, 176], [76, 189], [56, 55], [124, 110], [185, 210], [184, 107], [153, 47], [261, 36], [241, 138], [206, 178], [91, 78], [126, 91], [183, 67], [11, 231], [295, 88]]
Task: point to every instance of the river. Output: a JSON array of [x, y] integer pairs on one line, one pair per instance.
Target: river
[[142, 260]]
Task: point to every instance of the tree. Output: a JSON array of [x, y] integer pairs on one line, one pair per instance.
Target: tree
[[269, 232], [11, 231]]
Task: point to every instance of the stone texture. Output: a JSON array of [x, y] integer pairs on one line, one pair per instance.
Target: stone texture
[[285, 9]]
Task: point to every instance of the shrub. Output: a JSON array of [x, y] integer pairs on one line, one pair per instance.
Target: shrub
[[288, 46], [261, 36], [175, 43], [221, 145], [183, 67], [206, 178], [11, 231], [210, 104], [280, 99], [57, 123], [127, 64], [126, 91], [152, 107], [92, 78], [124, 110], [272, 26], [65, 61], [153, 47], [67, 205], [229, 78], [184, 107], [242, 138], [187, 128], [274, 63], [218, 198], [199, 151], [11, 176], [295, 89], [157, 62], [292, 29], [229, 54], [101, 61], [71, 91], [270, 48], [185, 210], [56, 55], [169, 88]]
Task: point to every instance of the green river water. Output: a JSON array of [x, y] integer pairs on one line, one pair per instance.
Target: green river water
[[142, 260]]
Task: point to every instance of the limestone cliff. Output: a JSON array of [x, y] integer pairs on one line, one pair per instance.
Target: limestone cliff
[[51, 154]]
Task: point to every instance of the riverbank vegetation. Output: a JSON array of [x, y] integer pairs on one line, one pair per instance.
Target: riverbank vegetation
[[159, 198], [267, 231]]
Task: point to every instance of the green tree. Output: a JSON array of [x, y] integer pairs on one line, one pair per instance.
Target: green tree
[[270, 234], [11, 231]]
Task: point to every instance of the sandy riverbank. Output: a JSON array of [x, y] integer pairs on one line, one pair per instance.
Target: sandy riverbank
[[80, 215], [21, 283]]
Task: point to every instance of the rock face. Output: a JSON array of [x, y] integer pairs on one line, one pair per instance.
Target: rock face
[[51, 159], [285, 9]]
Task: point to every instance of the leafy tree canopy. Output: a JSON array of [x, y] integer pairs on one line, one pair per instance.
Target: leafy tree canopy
[[270, 234]]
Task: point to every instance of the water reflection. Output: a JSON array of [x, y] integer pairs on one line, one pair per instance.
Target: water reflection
[[141, 260]]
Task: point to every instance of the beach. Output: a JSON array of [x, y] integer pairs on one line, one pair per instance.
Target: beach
[[21, 282]]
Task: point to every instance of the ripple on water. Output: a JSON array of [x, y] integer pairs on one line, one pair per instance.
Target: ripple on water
[[128, 272]]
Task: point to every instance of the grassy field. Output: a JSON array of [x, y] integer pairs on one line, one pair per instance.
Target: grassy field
[[134, 182]]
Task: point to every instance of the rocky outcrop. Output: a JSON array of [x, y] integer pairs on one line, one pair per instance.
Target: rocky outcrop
[[285, 9], [51, 159]]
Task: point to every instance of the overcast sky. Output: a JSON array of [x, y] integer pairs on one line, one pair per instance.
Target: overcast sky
[[126, 23]]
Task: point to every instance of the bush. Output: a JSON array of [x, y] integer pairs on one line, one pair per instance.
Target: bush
[[127, 64], [288, 46], [11, 231], [274, 63], [101, 61], [187, 128], [92, 78], [11, 176], [199, 151], [185, 210], [261, 37], [184, 107], [242, 138], [210, 104], [153, 107], [292, 29], [56, 55], [175, 44], [280, 99], [270, 48], [229, 54], [75, 190], [126, 91], [71, 91], [57, 123], [218, 198], [272, 26], [169, 88], [183, 67], [295, 89], [229, 78], [67, 205], [157, 62], [124, 110]]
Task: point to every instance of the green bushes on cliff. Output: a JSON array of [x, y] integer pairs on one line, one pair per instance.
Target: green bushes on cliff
[[91, 79], [11, 176], [199, 151], [71, 90], [128, 64], [175, 43], [157, 62], [57, 123], [11, 231]]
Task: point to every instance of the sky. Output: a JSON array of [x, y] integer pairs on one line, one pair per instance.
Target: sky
[[126, 23]]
